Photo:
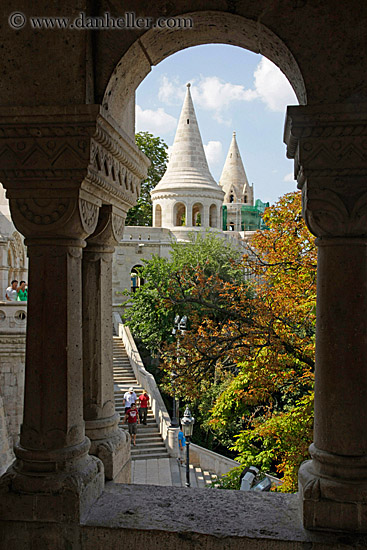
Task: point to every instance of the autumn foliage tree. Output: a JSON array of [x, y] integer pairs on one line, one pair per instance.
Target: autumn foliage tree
[[257, 340]]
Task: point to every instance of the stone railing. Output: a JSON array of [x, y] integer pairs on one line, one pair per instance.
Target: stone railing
[[210, 461], [13, 317]]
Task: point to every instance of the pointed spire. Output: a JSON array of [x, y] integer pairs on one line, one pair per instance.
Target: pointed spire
[[187, 166], [233, 180]]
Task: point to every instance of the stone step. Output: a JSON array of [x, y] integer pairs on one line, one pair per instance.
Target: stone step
[[148, 456], [139, 449], [149, 444], [200, 477], [207, 477], [155, 438]]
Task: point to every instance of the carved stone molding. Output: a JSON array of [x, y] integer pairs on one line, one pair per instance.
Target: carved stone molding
[[334, 211], [118, 225], [70, 217], [47, 153], [329, 147], [178, 196], [89, 215], [109, 229]]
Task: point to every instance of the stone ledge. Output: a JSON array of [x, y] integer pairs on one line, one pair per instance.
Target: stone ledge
[[169, 517]]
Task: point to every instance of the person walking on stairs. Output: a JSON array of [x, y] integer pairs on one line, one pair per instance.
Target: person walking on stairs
[[143, 409], [132, 418], [129, 399]]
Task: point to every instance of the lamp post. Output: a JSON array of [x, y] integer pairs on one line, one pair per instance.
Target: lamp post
[[179, 328], [187, 424]]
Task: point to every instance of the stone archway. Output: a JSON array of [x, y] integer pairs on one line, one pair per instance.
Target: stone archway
[[179, 214], [209, 28]]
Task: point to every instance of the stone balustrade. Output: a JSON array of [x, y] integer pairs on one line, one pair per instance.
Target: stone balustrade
[[13, 317]]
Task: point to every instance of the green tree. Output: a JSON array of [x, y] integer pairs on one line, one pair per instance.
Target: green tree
[[156, 151], [154, 304]]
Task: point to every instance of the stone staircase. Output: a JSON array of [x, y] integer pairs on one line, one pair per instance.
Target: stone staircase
[[149, 443], [151, 463]]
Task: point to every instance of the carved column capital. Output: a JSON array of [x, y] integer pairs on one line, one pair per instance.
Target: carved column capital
[[43, 217], [329, 147], [58, 163], [109, 229]]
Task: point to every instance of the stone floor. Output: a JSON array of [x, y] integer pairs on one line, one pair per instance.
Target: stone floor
[[167, 472]]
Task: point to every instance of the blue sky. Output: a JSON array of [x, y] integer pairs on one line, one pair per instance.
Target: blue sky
[[233, 90]]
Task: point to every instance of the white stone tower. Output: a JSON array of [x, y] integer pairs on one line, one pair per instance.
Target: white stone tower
[[187, 196], [236, 187]]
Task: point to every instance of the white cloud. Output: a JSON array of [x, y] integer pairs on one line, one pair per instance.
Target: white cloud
[[272, 87], [210, 93], [289, 177], [172, 91], [214, 152], [157, 122], [214, 94]]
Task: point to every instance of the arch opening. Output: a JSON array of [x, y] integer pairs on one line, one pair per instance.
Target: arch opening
[[136, 280], [197, 214], [179, 214], [157, 44]]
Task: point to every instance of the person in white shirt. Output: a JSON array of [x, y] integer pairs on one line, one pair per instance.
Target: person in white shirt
[[11, 293], [129, 398]]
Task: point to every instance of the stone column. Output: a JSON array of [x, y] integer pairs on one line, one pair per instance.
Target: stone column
[[329, 144], [189, 221], [58, 164], [108, 442], [205, 214], [53, 466]]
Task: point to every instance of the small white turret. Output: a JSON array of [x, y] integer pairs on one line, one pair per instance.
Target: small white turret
[[234, 182], [187, 196]]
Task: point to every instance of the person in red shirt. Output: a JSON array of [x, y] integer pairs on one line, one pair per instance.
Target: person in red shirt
[[143, 409], [132, 418]]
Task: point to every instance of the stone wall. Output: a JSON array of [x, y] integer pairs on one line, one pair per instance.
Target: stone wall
[[12, 360], [138, 244]]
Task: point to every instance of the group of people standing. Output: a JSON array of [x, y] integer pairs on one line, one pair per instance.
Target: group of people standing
[[133, 415], [17, 293]]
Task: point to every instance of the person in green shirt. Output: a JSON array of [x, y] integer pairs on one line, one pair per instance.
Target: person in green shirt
[[22, 292]]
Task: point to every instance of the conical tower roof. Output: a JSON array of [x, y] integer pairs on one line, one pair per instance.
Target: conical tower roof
[[233, 179], [188, 168]]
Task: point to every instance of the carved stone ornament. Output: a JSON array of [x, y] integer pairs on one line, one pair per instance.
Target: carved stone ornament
[[47, 153], [89, 215], [118, 224], [329, 147]]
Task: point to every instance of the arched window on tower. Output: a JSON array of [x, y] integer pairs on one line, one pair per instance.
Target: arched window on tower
[[231, 198], [179, 214], [231, 226], [136, 280], [213, 217], [245, 199], [197, 214], [158, 216]]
